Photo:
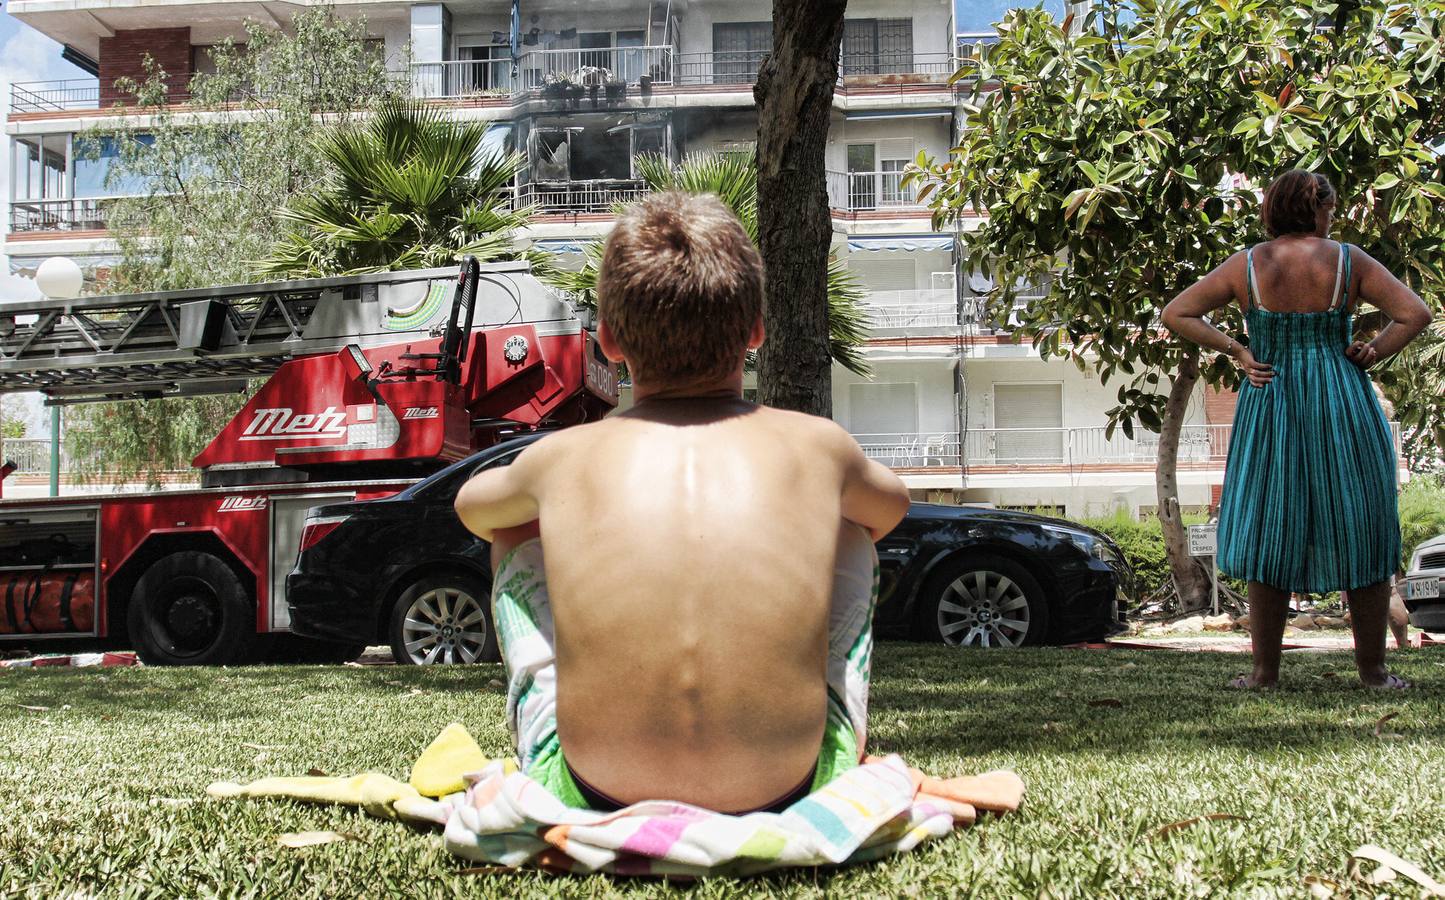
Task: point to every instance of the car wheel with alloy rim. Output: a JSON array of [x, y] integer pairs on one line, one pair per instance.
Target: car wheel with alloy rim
[[443, 619], [983, 600]]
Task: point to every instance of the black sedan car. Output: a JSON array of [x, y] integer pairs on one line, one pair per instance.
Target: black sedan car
[[403, 571]]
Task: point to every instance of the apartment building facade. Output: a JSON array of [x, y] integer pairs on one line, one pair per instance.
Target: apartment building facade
[[961, 411]]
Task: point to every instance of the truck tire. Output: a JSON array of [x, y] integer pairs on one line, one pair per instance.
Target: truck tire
[[191, 609], [443, 619]]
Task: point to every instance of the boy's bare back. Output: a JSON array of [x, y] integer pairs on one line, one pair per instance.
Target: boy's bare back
[[690, 584]]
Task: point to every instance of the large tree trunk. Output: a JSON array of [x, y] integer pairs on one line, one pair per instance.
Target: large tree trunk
[[1190, 577], [794, 96]]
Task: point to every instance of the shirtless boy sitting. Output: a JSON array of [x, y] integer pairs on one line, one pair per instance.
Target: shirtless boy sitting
[[701, 631]]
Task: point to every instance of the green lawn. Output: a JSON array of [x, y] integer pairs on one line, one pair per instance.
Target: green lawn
[[106, 797]]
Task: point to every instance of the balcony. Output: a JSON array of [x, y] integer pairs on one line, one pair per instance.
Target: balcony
[[872, 192], [662, 66], [1052, 449], [912, 309], [579, 197], [539, 69], [54, 96], [89, 214]]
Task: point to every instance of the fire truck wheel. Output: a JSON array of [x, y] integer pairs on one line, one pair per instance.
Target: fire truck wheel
[[190, 609], [443, 619]]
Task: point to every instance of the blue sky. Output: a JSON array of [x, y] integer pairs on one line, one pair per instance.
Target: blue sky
[[979, 15]]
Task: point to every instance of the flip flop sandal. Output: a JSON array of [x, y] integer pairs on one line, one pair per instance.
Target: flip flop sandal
[[1392, 682]]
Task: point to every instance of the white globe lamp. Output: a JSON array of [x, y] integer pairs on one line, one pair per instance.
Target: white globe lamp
[[59, 278]]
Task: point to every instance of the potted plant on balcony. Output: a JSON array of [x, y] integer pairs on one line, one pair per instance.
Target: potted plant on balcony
[[616, 88], [591, 79], [556, 86]]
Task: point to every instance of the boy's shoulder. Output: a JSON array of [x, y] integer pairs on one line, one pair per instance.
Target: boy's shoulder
[[824, 435]]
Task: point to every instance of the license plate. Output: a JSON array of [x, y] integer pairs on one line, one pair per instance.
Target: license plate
[[1422, 589]]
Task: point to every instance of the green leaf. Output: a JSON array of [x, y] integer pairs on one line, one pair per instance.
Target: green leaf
[[1090, 170], [1386, 181]]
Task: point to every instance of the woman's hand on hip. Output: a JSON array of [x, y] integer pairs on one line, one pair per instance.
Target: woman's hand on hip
[[1259, 374], [1362, 354]]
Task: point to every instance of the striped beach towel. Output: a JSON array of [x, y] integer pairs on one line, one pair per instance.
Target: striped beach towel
[[502, 817]]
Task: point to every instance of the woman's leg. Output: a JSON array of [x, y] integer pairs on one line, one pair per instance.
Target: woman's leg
[[1369, 614], [1399, 621], [1268, 609]]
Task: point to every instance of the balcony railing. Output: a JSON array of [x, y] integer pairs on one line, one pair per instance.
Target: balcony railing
[[52, 96], [455, 79], [912, 309], [867, 191], [535, 70], [1053, 448], [579, 196], [940, 65], [1050, 447], [738, 67], [89, 214]]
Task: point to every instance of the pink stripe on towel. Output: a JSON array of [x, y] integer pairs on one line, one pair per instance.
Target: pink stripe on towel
[[656, 836]]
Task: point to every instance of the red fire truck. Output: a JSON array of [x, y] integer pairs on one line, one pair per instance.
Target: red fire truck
[[374, 382]]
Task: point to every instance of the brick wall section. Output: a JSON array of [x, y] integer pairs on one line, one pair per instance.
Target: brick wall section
[[1219, 406], [123, 56]]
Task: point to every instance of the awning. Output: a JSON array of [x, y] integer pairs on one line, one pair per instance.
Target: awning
[[902, 242], [941, 112], [561, 245]]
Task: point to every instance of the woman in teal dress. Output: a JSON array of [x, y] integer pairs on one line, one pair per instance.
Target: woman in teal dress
[[1309, 486]]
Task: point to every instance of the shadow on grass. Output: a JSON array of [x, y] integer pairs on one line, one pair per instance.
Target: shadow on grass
[[924, 699], [1129, 701]]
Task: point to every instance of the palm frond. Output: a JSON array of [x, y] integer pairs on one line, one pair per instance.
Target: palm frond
[[405, 188]]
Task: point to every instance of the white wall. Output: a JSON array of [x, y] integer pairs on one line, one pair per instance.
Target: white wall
[[934, 378], [695, 33], [1086, 400], [930, 134]]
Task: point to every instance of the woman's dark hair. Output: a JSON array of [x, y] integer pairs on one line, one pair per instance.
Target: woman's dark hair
[[1293, 201]]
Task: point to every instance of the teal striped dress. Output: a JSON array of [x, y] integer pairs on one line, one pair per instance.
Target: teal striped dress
[[1309, 486]]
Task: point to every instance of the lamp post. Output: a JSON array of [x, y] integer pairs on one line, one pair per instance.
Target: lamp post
[[58, 278]]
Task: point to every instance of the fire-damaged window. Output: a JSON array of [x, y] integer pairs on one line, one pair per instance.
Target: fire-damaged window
[[603, 150], [877, 46]]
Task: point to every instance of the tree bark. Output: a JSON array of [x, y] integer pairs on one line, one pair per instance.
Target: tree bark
[[1190, 578], [794, 96]]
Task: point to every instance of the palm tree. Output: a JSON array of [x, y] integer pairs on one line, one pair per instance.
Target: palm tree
[[406, 188], [735, 181]]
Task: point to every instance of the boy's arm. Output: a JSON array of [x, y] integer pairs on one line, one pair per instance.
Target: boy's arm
[[499, 498], [873, 496]]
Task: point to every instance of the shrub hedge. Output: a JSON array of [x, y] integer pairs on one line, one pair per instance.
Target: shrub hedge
[[1422, 516]]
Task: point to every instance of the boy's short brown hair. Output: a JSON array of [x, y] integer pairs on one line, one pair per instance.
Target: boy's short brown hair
[[681, 287]]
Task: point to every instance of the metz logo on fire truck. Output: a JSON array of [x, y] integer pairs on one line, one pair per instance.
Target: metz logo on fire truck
[[421, 412], [241, 504], [284, 424]]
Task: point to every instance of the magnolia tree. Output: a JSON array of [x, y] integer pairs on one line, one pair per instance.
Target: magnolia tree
[[1119, 157]]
